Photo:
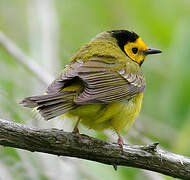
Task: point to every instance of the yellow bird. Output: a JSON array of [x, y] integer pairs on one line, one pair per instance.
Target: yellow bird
[[102, 85]]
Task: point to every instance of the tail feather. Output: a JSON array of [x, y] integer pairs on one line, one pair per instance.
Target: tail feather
[[54, 107], [35, 101], [51, 105], [61, 110]]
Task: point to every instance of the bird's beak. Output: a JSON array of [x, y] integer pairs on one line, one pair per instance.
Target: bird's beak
[[152, 51]]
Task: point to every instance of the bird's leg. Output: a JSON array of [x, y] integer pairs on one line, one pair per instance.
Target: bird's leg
[[76, 130], [120, 140]]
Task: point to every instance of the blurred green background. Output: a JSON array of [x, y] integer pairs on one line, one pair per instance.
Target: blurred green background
[[49, 32]]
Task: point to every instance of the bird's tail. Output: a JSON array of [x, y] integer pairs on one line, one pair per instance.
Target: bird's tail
[[51, 105]]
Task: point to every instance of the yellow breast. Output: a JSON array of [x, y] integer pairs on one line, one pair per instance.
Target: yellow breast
[[116, 115]]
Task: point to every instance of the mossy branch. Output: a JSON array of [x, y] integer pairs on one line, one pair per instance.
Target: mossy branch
[[58, 142]]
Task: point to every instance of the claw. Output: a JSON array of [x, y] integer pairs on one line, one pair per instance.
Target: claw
[[120, 142], [76, 130]]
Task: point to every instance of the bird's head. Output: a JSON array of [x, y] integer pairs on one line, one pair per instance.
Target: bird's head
[[132, 45]]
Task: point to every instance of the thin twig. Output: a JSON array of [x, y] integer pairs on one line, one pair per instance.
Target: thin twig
[[58, 142], [23, 59]]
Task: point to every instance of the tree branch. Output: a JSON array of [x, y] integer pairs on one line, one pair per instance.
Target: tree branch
[[58, 142], [67, 144]]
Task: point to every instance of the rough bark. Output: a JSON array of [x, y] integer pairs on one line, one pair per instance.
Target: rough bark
[[58, 142]]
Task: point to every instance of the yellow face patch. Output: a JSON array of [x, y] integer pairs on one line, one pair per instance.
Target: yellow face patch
[[135, 50]]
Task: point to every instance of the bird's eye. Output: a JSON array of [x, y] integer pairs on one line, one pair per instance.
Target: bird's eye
[[135, 50]]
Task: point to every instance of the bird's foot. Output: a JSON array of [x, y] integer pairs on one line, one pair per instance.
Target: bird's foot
[[76, 131], [120, 141]]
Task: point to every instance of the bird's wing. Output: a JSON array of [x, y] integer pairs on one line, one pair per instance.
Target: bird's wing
[[103, 82]]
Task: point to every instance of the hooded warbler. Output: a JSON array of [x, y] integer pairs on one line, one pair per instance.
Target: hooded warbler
[[102, 85]]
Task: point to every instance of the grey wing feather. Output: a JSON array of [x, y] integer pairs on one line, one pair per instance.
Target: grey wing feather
[[101, 84]]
